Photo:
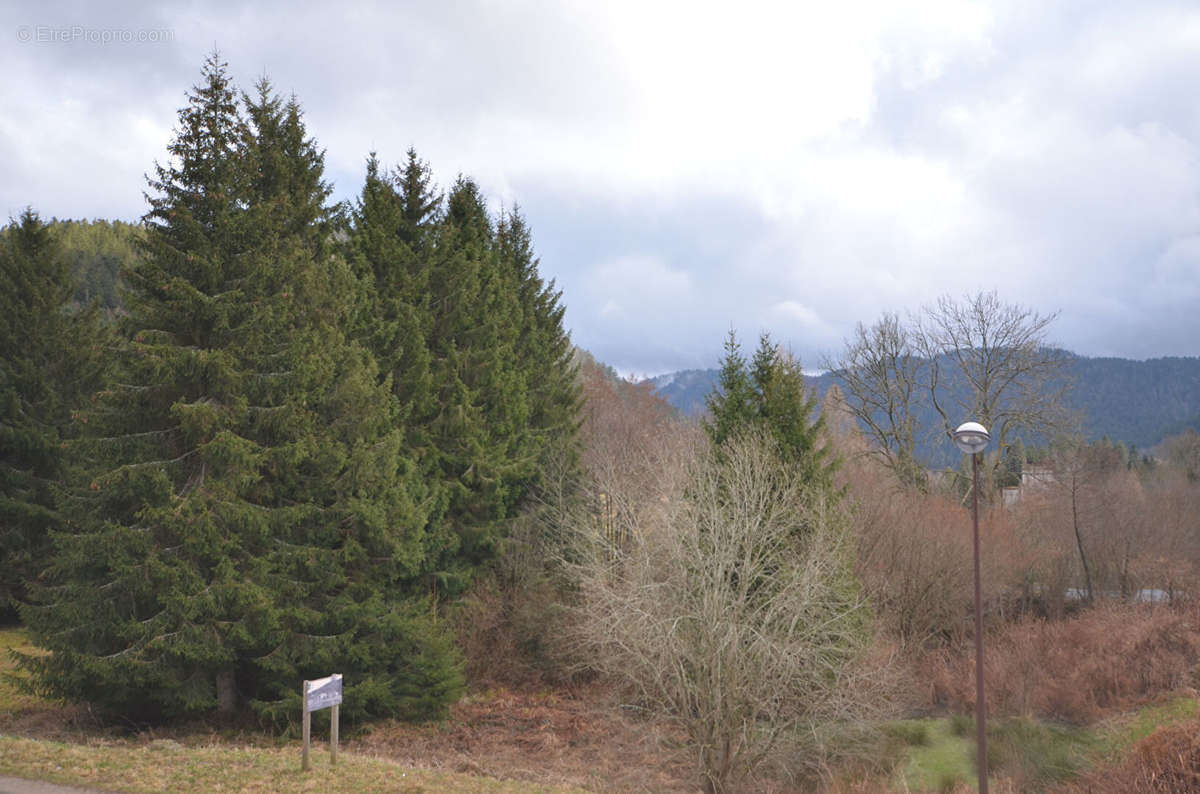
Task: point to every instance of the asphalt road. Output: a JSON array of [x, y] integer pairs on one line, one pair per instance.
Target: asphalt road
[[17, 785]]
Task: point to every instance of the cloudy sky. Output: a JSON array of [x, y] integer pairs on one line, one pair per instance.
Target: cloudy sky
[[693, 167]]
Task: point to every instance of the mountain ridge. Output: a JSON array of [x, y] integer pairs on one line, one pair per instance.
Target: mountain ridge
[[1136, 401]]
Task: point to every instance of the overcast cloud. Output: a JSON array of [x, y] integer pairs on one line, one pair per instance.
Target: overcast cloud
[[691, 167]]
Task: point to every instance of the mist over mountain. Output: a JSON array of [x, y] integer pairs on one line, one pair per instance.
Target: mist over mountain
[[1138, 402]]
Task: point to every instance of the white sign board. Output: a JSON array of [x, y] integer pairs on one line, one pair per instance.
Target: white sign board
[[320, 694], [324, 692]]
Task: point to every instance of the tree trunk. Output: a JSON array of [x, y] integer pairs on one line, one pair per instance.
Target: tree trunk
[[1087, 572], [1126, 585], [227, 696]]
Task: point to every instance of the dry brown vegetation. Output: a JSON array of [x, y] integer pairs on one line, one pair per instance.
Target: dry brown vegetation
[[580, 736], [1166, 762], [544, 713], [1099, 523], [1103, 661]]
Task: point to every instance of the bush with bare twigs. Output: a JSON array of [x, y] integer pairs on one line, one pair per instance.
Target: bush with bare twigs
[[732, 608], [914, 557]]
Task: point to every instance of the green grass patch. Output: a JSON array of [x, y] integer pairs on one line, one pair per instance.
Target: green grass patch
[[909, 733], [169, 766], [941, 762], [1038, 753], [943, 756], [1117, 736], [941, 752]]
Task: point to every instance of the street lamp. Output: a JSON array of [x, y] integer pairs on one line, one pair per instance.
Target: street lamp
[[972, 438]]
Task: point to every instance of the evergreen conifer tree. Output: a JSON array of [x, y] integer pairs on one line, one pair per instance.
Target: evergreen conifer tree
[[49, 365], [473, 340], [389, 247], [482, 426], [544, 348], [420, 204], [770, 393], [252, 518], [731, 404]]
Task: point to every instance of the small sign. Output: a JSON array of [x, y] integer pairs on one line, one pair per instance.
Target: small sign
[[324, 692], [320, 694]]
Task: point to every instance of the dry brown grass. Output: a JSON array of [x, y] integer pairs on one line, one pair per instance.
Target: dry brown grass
[[585, 738], [1107, 659]]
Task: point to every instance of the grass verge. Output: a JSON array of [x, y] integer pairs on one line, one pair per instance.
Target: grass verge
[[166, 765], [1117, 736], [170, 766]]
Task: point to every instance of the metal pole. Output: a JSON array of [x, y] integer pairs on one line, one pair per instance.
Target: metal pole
[[980, 705], [307, 730]]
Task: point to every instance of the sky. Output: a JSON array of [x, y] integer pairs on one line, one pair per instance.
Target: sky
[[689, 168]]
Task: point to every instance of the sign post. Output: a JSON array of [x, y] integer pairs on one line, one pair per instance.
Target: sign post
[[319, 694], [333, 734], [306, 730]]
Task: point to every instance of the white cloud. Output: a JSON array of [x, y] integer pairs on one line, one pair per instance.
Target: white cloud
[[689, 166]]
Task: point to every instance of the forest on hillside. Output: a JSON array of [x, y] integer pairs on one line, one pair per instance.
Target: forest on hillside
[[258, 437]]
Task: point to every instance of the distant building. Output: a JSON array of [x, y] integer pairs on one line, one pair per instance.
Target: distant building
[[1034, 480]]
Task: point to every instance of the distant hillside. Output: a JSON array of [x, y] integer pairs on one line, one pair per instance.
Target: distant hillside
[[1138, 402], [97, 250], [686, 390]]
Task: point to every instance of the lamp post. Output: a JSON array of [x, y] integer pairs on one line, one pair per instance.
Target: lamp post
[[972, 438]]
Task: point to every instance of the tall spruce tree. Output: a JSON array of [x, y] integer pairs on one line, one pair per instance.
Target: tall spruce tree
[[251, 518], [49, 366], [473, 339], [769, 393], [388, 246], [731, 404], [482, 425], [543, 346]]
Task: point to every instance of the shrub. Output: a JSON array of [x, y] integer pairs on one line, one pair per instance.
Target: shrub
[[734, 610], [914, 556], [1075, 670], [962, 725]]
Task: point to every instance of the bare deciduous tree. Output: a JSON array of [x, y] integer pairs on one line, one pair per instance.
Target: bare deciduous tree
[[881, 376], [733, 608], [1014, 381], [976, 359], [1079, 478]]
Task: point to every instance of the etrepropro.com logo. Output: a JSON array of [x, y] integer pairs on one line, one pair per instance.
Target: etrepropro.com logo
[[82, 34]]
